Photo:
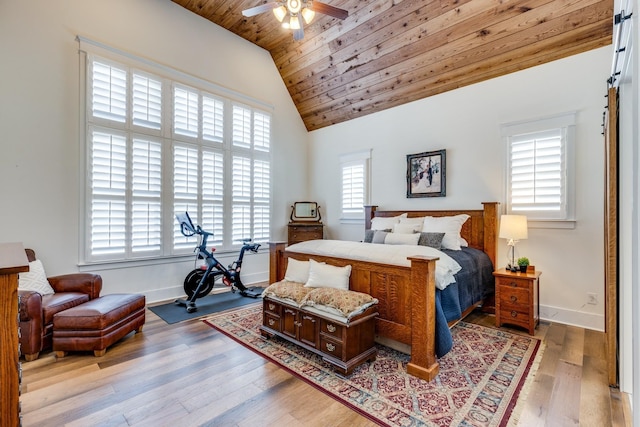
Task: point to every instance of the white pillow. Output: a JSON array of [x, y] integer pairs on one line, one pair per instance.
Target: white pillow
[[35, 279], [328, 276], [406, 228], [297, 271], [382, 223], [413, 221], [450, 225], [401, 239]]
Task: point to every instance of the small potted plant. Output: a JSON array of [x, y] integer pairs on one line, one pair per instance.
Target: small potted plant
[[523, 263]]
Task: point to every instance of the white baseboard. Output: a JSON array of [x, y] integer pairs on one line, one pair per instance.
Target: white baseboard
[[572, 317]]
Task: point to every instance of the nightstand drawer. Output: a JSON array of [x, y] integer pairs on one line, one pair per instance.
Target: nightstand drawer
[[515, 317], [514, 298], [513, 282]]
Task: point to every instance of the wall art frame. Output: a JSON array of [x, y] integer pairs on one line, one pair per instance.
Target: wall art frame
[[426, 174]]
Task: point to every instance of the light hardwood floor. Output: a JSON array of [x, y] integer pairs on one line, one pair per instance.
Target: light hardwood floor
[[188, 374]]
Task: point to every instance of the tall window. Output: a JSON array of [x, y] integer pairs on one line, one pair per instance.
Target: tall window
[[355, 184], [157, 146], [540, 168]]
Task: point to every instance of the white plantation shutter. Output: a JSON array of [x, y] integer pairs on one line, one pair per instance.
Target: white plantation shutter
[[185, 173], [213, 195], [352, 189], [241, 198], [241, 127], [262, 131], [156, 146], [147, 102], [536, 171], [539, 182], [146, 183], [109, 92], [108, 192], [185, 112], [212, 119], [355, 184]]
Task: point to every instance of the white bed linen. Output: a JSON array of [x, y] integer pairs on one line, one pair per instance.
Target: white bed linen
[[446, 266]]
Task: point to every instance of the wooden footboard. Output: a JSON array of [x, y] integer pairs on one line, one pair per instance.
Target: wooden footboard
[[406, 298]]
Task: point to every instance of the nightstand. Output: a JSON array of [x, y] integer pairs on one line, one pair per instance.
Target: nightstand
[[517, 300]]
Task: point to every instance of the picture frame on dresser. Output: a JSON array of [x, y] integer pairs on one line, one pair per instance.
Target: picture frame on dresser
[[426, 174]]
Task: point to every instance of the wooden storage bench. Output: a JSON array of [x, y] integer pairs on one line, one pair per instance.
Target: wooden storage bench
[[342, 342]]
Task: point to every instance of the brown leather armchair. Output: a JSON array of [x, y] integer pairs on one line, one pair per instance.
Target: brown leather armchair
[[36, 311]]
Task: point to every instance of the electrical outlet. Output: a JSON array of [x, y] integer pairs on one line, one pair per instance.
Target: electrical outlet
[[592, 298]]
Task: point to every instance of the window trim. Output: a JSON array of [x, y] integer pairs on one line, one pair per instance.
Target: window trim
[[567, 123]]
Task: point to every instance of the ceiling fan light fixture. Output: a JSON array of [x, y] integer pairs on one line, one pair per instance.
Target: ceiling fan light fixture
[[294, 23], [280, 13], [308, 15]]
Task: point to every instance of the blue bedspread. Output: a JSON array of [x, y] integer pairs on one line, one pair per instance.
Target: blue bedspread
[[473, 282]]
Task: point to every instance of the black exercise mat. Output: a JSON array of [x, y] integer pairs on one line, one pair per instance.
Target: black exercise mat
[[212, 303]]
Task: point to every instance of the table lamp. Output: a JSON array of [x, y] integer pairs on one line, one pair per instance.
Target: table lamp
[[513, 228]]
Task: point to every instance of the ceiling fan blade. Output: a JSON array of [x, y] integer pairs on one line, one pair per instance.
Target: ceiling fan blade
[[253, 11], [299, 33], [320, 7]]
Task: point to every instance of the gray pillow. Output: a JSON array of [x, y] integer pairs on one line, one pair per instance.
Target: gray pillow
[[379, 236], [368, 235], [433, 240]]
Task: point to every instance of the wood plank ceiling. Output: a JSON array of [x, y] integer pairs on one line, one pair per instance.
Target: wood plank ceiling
[[390, 52]]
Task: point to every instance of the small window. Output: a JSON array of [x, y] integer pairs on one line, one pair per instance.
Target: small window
[[540, 168], [355, 184]]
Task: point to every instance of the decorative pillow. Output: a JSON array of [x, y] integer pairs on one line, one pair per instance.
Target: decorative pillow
[[348, 303], [413, 221], [379, 236], [368, 236], [284, 289], [433, 240], [328, 276], [406, 228], [297, 271], [450, 225], [463, 242], [401, 239], [385, 223], [35, 279]]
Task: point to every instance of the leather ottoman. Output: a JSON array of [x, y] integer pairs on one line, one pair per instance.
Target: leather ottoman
[[96, 324]]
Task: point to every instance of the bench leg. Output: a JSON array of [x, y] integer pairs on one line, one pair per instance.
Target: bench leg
[[99, 353], [60, 354], [31, 357], [139, 329]]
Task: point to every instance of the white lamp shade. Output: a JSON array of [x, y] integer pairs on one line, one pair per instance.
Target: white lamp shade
[[513, 227]]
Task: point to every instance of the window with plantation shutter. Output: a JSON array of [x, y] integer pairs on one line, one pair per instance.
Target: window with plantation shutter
[[355, 184], [539, 170], [157, 145]]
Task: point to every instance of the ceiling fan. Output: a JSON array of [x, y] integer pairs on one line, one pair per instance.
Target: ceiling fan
[[292, 13]]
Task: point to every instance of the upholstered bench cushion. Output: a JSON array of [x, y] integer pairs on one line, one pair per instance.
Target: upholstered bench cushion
[[98, 323], [340, 302], [287, 291]]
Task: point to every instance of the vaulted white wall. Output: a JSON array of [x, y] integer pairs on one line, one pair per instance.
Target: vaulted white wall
[[466, 122], [39, 120]]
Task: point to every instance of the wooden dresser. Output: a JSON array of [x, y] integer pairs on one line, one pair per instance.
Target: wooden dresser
[[13, 260], [301, 231], [517, 301]]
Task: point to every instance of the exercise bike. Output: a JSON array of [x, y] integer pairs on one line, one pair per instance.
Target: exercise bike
[[201, 281]]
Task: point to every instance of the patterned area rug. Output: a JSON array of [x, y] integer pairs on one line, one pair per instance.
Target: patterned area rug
[[479, 382]]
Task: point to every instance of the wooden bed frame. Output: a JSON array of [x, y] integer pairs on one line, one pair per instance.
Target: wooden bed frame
[[406, 295]]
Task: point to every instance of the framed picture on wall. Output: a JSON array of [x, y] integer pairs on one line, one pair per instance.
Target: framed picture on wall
[[426, 174]]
